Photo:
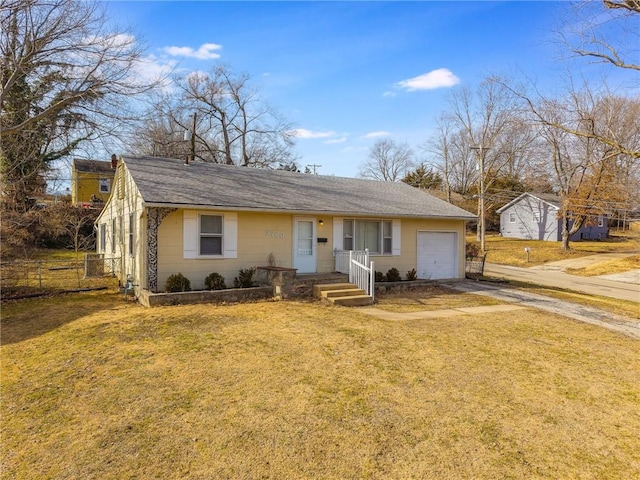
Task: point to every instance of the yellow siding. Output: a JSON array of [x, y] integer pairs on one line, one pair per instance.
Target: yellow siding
[[133, 265], [261, 234], [254, 247], [85, 185]]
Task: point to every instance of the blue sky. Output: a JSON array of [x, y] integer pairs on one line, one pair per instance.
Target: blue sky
[[349, 73]]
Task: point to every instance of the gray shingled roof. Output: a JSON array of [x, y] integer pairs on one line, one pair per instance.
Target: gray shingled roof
[[163, 181], [550, 198], [92, 166]]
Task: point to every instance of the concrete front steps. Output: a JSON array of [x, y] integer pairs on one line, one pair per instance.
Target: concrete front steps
[[346, 294]]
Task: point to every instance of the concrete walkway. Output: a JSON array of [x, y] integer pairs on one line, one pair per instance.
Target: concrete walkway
[[558, 279]]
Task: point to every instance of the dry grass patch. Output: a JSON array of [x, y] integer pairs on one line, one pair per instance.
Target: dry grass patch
[[98, 388], [510, 251], [619, 265], [435, 297]]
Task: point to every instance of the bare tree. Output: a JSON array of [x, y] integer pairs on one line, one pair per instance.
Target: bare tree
[[227, 120], [66, 78], [591, 139], [388, 160], [588, 32]]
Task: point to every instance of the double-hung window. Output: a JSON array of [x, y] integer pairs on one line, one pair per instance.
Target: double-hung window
[[105, 185], [131, 234], [211, 235], [374, 235], [113, 235], [103, 237], [512, 217]]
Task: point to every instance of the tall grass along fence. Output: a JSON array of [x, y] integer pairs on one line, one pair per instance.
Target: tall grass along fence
[[25, 278]]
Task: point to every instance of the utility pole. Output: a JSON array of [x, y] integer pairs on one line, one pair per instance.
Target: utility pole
[[480, 153], [314, 166]]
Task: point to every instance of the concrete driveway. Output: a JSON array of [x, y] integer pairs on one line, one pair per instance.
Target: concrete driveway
[[558, 279]]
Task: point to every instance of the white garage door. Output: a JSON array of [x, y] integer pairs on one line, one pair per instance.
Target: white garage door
[[437, 255]]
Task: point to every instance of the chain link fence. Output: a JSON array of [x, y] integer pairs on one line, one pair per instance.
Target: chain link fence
[[27, 278]]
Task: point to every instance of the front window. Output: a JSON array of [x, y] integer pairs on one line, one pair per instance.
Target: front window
[[374, 235], [105, 185], [210, 234]]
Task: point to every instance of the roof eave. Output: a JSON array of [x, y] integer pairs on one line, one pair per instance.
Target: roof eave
[[227, 208]]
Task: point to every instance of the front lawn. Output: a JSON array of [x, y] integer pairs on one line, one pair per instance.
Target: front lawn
[[97, 387]]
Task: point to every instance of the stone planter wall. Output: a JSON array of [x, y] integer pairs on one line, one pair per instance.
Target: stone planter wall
[[231, 295], [405, 285]]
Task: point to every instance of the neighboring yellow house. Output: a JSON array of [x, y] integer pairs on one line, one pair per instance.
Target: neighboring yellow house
[[165, 217], [91, 181]]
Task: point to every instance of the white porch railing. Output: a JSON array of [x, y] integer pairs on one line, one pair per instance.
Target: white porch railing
[[343, 258], [361, 272]]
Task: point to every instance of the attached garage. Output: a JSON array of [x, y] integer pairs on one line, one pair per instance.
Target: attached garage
[[437, 255]]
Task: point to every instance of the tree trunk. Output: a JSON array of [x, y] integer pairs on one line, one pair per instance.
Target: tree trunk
[[565, 234]]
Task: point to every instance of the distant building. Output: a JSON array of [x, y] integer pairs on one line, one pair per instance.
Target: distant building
[[535, 217], [91, 181]]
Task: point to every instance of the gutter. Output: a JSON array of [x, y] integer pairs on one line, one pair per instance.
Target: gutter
[[186, 206]]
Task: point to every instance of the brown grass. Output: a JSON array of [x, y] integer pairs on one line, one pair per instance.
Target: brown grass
[[606, 268], [510, 251], [430, 298], [94, 387], [49, 272]]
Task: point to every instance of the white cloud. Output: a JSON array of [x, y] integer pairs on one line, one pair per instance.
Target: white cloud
[[440, 78], [336, 140], [151, 69], [207, 51], [377, 134], [304, 133], [389, 94]]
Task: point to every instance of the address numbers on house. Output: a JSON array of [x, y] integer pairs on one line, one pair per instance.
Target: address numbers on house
[[273, 234]]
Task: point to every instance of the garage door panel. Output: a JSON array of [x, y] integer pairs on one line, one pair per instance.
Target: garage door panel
[[437, 255]]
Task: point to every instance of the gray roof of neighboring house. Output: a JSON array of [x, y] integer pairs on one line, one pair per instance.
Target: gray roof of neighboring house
[[92, 166], [549, 198], [163, 181]]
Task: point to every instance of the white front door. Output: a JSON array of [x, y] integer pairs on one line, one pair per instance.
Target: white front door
[[304, 245]]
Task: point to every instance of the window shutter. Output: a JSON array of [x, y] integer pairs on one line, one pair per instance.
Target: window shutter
[[395, 237], [190, 234], [230, 235], [338, 241]]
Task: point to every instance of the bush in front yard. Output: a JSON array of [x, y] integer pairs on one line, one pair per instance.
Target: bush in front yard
[[393, 275], [412, 275], [380, 277], [245, 278], [214, 281], [177, 283]]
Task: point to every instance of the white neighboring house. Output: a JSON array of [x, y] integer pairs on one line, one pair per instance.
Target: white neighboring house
[[534, 216]]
